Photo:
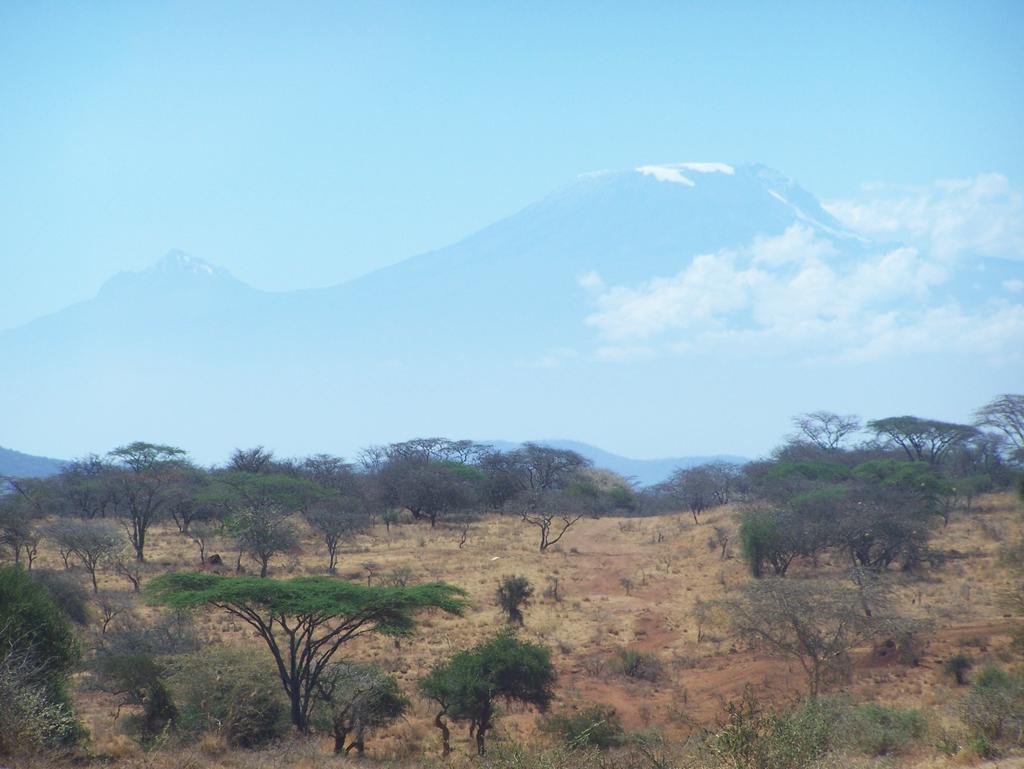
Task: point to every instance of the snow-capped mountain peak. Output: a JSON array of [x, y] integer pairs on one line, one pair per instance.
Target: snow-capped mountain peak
[[673, 172]]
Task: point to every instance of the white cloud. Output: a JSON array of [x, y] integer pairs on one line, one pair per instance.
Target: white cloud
[[793, 293], [981, 216], [946, 329], [591, 281]]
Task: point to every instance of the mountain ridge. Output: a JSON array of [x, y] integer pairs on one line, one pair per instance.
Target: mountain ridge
[[621, 304], [645, 472], [17, 464]]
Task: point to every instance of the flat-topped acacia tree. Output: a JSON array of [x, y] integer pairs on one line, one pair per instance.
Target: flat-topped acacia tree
[[305, 620]]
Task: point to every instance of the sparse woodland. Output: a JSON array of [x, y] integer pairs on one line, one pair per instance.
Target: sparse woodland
[[856, 599]]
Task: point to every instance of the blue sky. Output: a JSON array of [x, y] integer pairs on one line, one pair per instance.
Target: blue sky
[[301, 144]]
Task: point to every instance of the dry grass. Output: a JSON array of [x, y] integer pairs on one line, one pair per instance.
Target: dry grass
[[670, 565]]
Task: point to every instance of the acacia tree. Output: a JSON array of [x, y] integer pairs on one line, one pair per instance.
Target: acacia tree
[[305, 620], [142, 485], [923, 440], [825, 429], [28, 500], [1005, 414], [815, 623], [336, 520], [696, 488], [234, 489], [91, 542], [86, 489], [18, 531], [553, 512], [770, 537], [469, 685], [254, 460], [357, 699], [263, 532], [427, 488]]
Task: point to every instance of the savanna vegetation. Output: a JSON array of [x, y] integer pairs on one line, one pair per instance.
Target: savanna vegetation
[[855, 598]]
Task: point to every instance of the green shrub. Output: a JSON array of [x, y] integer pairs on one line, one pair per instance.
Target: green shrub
[[512, 595], [957, 666], [31, 623], [228, 692], [994, 706], [596, 726], [879, 731], [354, 699], [30, 720], [66, 591], [38, 651], [140, 681], [947, 743], [983, 747], [640, 665], [753, 739]]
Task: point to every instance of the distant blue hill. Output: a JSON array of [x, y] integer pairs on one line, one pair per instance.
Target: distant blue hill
[[645, 472], [18, 465]]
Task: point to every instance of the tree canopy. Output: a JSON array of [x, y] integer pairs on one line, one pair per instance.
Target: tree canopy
[[468, 685], [304, 620]]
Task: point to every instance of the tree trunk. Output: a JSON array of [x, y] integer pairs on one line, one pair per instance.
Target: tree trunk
[[339, 740], [446, 747], [358, 745], [482, 727], [298, 717], [140, 542]]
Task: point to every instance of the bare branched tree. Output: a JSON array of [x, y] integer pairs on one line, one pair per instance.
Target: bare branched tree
[[825, 429], [816, 623], [1005, 414]]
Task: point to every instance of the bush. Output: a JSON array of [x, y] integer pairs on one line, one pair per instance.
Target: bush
[[640, 665], [752, 739], [230, 693], [957, 666], [513, 595], [30, 720], [38, 651], [69, 595], [596, 726], [355, 699], [983, 747], [140, 681], [994, 706], [32, 624], [879, 731]]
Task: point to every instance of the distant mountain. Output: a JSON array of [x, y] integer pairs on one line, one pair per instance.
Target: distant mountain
[[693, 305], [18, 465], [645, 472]]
